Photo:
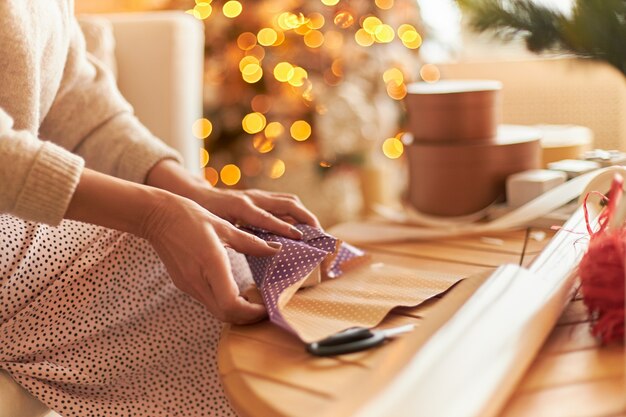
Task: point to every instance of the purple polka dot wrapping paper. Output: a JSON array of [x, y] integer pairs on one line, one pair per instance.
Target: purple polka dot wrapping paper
[[354, 291]]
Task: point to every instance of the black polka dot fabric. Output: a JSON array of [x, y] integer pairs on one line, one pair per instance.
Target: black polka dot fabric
[[91, 325]]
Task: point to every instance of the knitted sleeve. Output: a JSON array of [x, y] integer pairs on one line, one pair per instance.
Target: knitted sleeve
[[91, 118], [37, 178]]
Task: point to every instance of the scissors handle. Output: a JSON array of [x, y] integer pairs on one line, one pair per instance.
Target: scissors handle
[[348, 341]]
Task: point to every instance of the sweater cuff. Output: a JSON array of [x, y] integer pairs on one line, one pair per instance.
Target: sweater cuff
[[49, 186]]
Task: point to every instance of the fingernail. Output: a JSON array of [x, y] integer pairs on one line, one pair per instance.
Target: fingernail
[[297, 231], [275, 245]]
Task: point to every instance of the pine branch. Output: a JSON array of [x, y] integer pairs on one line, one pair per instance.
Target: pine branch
[[596, 28]]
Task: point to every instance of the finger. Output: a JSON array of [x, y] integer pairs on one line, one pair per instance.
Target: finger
[[256, 216], [283, 206], [221, 290], [245, 242]]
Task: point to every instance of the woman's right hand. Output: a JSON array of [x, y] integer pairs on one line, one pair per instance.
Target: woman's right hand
[[191, 243]]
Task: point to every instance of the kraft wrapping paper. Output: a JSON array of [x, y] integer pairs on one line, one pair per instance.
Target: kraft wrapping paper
[[352, 290]]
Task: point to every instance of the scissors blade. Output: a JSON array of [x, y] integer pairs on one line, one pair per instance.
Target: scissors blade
[[394, 331]]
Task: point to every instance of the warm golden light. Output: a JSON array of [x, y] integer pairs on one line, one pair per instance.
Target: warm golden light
[[252, 73], [246, 41], [262, 143], [257, 51], [396, 90], [316, 20], [314, 39], [411, 39], [211, 175], [298, 77], [333, 40], [251, 165], [325, 164], [204, 157], [230, 174], [280, 38], [267, 36], [384, 33], [393, 148], [232, 8], [384, 4], [253, 122], [201, 10], [274, 130], [283, 71], [300, 130], [247, 60], [201, 128], [261, 103], [337, 67], [330, 2], [277, 169], [371, 23], [430, 73], [344, 19], [393, 74], [363, 38]]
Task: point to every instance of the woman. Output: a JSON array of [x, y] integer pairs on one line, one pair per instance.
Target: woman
[[98, 226]]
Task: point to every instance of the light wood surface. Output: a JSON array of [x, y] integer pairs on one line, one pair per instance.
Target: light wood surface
[[266, 371]]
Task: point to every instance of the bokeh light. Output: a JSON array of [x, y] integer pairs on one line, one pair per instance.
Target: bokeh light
[[396, 90], [363, 38], [298, 77], [251, 165], [261, 103], [230, 174], [344, 19], [300, 130], [277, 169], [201, 10], [371, 23], [253, 122], [393, 148], [232, 8], [246, 41], [330, 2], [252, 73], [204, 157], [384, 4], [316, 20], [248, 60], [314, 39], [393, 74], [262, 143], [274, 130], [201, 128], [267, 36], [384, 33], [283, 71], [211, 175], [430, 73]]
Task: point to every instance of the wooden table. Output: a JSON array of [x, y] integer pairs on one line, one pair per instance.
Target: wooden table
[[266, 371]]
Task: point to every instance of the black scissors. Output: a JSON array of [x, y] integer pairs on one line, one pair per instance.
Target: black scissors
[[354, 339]]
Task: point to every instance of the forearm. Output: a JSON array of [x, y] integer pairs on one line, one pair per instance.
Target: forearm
[[114, 203], [171, 176]]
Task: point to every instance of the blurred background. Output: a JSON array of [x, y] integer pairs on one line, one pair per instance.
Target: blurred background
[[307, 96]]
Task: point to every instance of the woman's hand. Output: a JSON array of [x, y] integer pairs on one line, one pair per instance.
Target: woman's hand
[[191, 243], [189, 240], [275, 212]]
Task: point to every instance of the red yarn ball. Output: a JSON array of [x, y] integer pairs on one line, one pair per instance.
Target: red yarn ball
[[603, 274]]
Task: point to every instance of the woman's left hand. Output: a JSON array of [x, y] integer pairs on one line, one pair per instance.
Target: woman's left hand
[[275, 212]]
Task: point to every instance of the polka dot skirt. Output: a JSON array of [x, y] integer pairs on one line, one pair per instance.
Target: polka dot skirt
[[92, 326]]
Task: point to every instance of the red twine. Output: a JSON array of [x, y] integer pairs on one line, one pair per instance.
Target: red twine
[[603, 274]]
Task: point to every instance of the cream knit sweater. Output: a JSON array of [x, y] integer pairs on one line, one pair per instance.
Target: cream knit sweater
[[59, 111]]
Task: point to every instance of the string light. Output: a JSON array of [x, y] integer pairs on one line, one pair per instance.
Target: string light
[[232, 9], [393, 148], [230, 174], [211, 175], [277, 169], [300, 130], [253, 122], [267, 36], [201, 128]]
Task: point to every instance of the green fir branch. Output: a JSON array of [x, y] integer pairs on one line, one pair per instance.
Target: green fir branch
[[595, 29]]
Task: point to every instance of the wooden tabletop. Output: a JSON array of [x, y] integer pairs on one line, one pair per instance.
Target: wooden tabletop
[[266, 371]]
